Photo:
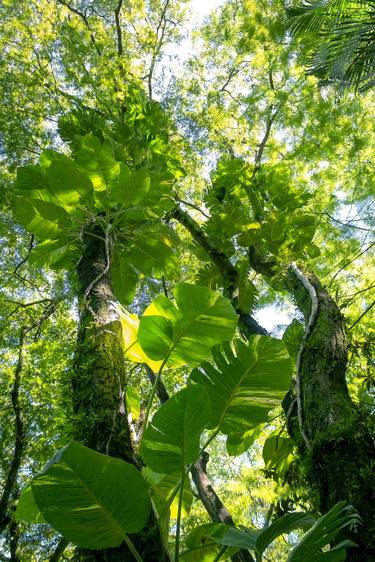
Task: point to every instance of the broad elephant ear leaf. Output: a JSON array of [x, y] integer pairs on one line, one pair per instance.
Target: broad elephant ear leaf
[[171, 441], [93, 500], [165, 484], [184, 332], [27, 510], [246, 384]]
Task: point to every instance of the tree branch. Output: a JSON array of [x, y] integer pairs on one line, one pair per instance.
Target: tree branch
[[271, 116], [158, 44], [19, 436], [118, 28], [85, 20], [24, 260], [229, 274], [346, 224], [60, 547]]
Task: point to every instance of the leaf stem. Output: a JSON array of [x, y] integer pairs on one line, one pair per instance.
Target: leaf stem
[[188, 469], [218, 555], [132, 548], [151, 399], [178, 522]]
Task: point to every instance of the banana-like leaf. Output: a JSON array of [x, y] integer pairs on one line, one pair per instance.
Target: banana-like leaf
[[93, 500], [245, 385], [184, 332], [133, 403], [278, 453], [171, 441]]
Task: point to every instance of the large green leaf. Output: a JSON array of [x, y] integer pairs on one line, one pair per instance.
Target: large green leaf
[[67, 182], [322, 532], [237, 538], [203, 546], [124, 278], [245, 385], [171, 441], [30, 178], [131, 187], [97, 161], [165, 484], [152, 256], [277, 453], [27, 510], [258, 541], [50, 252], [184, 332], [93, 500], [45, 220], [292, 338]]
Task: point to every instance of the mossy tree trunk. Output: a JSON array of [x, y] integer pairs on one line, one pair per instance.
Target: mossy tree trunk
[[98, 384], [340, 458]]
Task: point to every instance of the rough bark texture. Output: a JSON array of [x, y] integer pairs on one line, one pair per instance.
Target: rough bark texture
[[98, 380], [213, 504], [340, 464]]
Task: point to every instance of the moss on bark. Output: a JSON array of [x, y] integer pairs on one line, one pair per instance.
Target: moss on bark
[[99, 378], [340, 464]]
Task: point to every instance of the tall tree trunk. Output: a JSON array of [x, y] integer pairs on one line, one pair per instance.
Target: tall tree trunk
[[339, 453], [100, 418]]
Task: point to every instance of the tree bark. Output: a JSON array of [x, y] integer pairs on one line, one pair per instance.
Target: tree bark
[[98, 379], [340, 460], [213, 504]]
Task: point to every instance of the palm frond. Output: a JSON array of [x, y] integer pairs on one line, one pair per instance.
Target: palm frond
[[346, 54]]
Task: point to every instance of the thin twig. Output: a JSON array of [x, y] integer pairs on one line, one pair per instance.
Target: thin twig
[[159, 42], [84, 18], [362, 315], [24, 260], [348, 225], [192, 205], [349, 262]]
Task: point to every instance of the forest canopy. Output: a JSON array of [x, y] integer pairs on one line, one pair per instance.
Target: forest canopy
[[187, 298]]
